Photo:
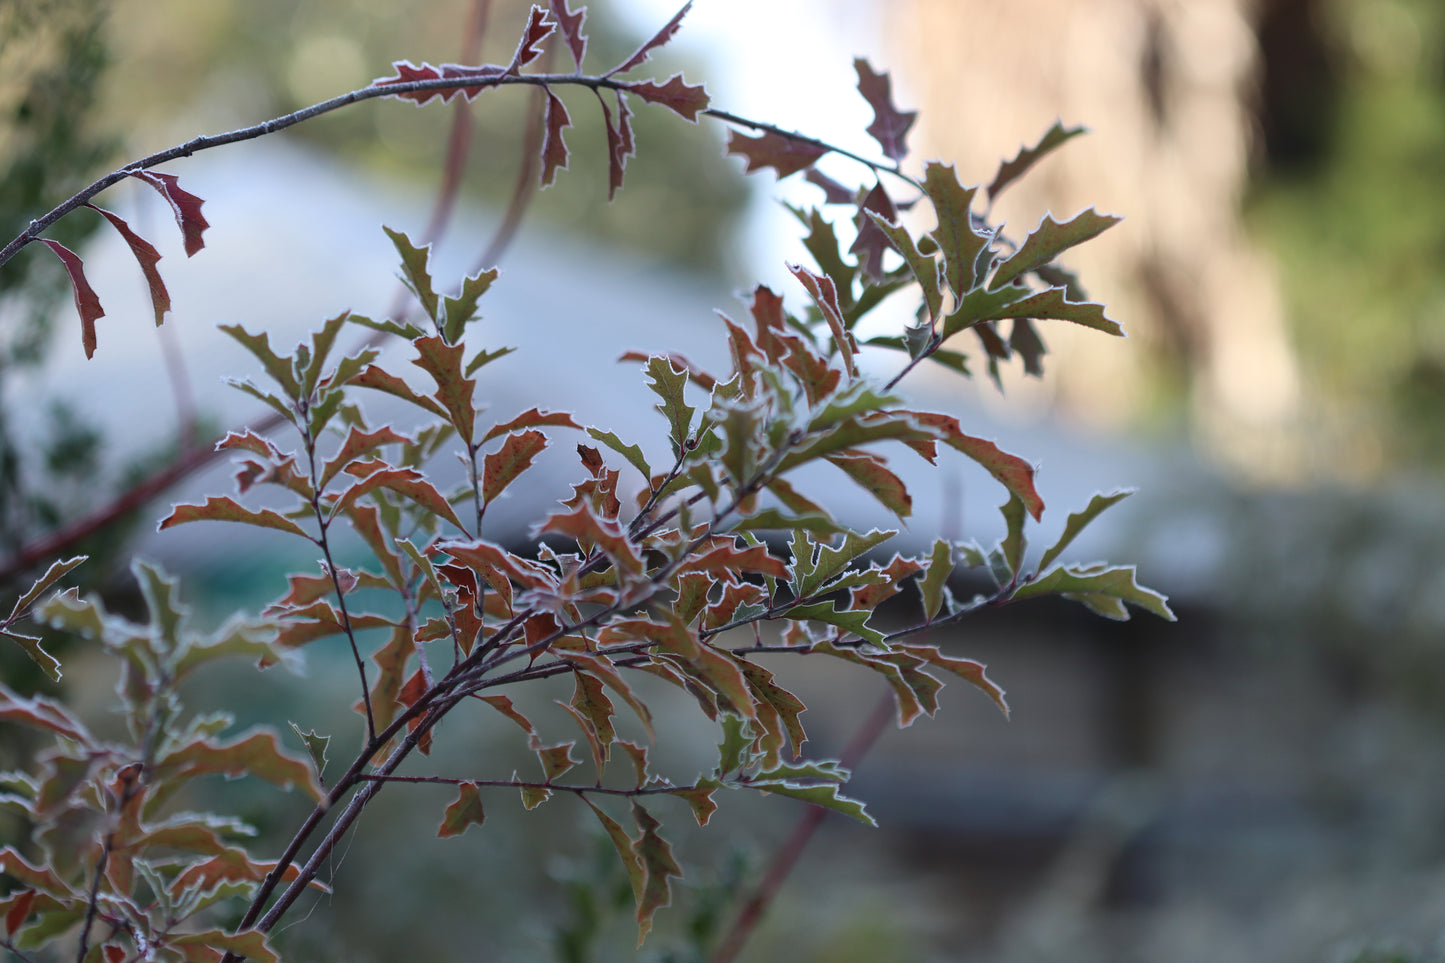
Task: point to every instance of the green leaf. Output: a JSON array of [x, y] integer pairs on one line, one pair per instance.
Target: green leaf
[[623, 844], [1048, 241], [955, 235], [1011, 170], [464, 812], [822, 244], [31, 646], [1013, 543], [414, 273], [259, 754], [816, 563], [1102, 589], [457, 311], [484, 358], [1078, 520], [668, 383], [1055, 305], [851, 620], [400, 328], [267, 397], [260, 347], [218, 509], [699, 797], [632, 453], [933, 586], [981, 304], [308, 364], [316, 745], [798, 782], [658, 867]]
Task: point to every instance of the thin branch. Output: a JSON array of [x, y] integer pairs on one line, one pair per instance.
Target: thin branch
[[793, 135], [511, 784]]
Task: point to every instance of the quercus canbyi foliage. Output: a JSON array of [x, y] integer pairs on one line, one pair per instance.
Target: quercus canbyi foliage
[[689, 570]]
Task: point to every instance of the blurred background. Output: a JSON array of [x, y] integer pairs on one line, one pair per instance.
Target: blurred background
[[1261, 780]]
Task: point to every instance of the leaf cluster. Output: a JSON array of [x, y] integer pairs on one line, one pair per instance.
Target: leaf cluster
[[694, 571]]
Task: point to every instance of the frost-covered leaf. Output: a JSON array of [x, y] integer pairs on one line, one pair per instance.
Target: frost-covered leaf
[[42, 713], [668, 383], [641, 55], [1012, 546], [407, 482], [382, 380], [890, 125], [850, 621], [974, 673], [570, 23], [407, 72], [259, 345], [623, 844], [87, 302], [1011, 471], [457, 311], [658, 867], [464, 812], [815, 564], [632, 453], [251, 945], [259, 754], [316, 746], [825, 296], [146, 256], [57, 570], [1048, 241], [185, 205], [699, 797], [871, 241], [956, 237], [501, 467], [1053, 304], [415, 273], [786, 155], [219, 509], [1079, 520], [454, 389], [554, 149], [676, 95], [933, 587], [1011, 170], [872, 473], [539, 27], [816, 783], [924, 267], [1103, 589]]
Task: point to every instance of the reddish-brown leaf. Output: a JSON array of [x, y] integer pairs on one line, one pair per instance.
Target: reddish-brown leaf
[[571, 24], [407, 72], [500, 468], [872, 241], [359, 442], [872, 473], [503, 704], [869, 597], [407, 482], [87, 302], [1011, 471], [146, 256], [619, 141], [890, 125], [603, 669], [218, 509], [464, 812], [728, 558], [258, 754], [970, 671], [699, 797], [185, 205], [675, 95], [533, 418], [786, 155], [554, 149], [585, 526], [539, 27], [640, 56], [454, 389]]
